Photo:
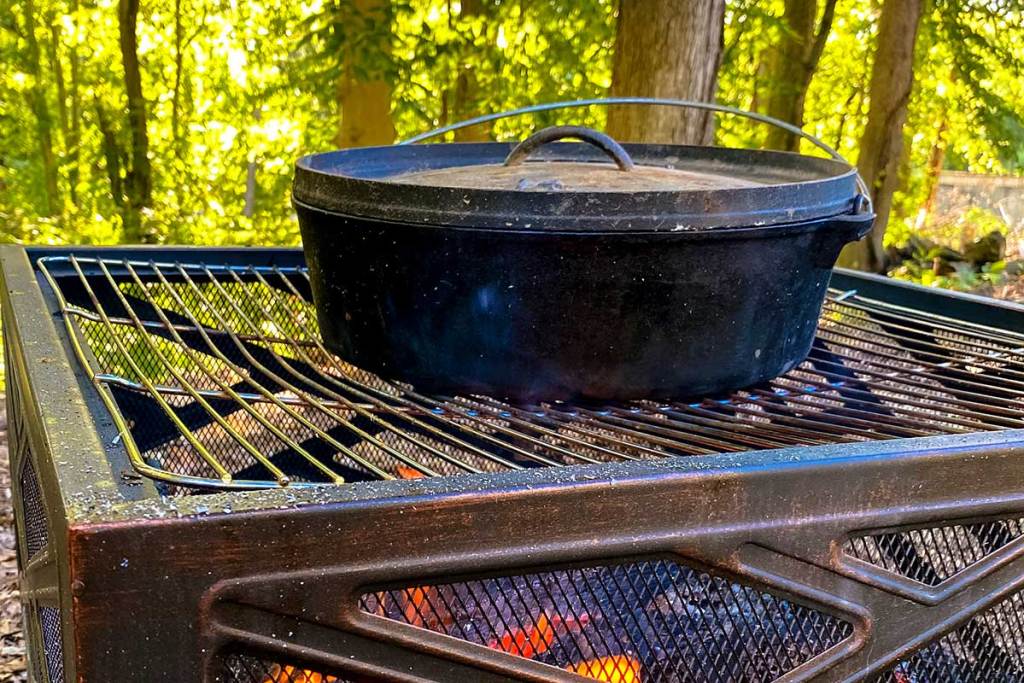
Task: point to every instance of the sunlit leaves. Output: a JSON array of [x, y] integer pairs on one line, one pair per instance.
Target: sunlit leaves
[[255, 85]]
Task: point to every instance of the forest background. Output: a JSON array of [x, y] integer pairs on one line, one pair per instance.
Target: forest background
[[178, 121]]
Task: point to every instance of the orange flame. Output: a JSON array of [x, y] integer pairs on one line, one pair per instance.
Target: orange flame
[[616, 669], [529, 641], [535, 639], [417, 604], [290, 674]]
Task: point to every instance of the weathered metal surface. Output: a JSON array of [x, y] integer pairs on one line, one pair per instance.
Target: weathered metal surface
[[158, 589]]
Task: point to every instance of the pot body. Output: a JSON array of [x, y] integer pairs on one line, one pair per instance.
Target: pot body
[[546, 315]]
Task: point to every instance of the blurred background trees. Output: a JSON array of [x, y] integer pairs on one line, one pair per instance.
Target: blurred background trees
[[179, 120]]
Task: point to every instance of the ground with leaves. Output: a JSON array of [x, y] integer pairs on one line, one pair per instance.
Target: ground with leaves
[[12, 647]]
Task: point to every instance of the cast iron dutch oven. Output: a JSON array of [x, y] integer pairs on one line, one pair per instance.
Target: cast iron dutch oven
[[551, 270]]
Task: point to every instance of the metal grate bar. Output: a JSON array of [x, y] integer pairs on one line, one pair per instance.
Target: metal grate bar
[[217, 378]]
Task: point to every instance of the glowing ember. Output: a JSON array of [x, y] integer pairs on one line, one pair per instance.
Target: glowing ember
[[418, 608], [527, 642], [291, 674], [618, 669], [406, 472], [536, 638]]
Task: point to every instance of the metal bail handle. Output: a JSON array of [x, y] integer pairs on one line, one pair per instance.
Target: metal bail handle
[[605, 143], [863, 202]]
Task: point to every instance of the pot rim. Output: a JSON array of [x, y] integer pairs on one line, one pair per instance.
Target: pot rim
[[793, 188], [847, 226]]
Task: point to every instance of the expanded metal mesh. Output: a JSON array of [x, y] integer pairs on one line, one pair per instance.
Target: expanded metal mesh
[[53, 649], [33, 514], [240, 668], [930, 556], [218, 378], [33, 518], [654, 620], [987, 649]]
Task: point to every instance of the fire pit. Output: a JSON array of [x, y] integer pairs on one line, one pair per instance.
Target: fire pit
[[204, 492]]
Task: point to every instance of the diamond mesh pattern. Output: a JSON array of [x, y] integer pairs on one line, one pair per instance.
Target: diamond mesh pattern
[[49, 623], [987, 649], [240, 668], [930, 556], [651, 621], [33, 512]]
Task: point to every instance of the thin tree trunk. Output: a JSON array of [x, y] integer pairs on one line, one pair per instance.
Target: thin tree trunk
[[75, 117], [58, 79], [111, 155], [365, 103], [792, 65], [250, 190], [41, 110], [666, 48], [467, 87], [936, 160], [181, 45], [881, 145], [139, 178], [848, 107], [176, 91]]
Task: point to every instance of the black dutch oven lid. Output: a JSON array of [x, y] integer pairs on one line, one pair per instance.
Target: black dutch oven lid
[[598, 186]]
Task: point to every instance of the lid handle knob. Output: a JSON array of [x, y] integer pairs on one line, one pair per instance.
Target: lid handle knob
[[603, 142]]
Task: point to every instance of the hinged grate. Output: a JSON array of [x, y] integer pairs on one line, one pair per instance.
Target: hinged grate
[[654, 620], [930, 556], [217, 378]]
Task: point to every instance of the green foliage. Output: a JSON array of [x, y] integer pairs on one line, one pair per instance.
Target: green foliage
[[963, 278], [237, 90]]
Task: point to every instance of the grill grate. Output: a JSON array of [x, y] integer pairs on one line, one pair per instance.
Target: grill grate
[[654, 620], [930, 556], [53, 650], [989, 647], [217, 378], [239, 668]]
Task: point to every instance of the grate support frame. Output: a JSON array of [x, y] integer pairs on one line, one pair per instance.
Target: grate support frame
[[289, 554]]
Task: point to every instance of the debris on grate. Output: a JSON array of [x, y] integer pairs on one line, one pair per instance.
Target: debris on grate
[[654, 620], [218, 379], [933, 555]]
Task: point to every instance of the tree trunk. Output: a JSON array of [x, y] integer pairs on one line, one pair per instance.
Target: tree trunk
[[467, 89], [881, 145], [791, 65], [176, 91], [74, 139], [250, 190], [936, 160], [111, 156], [364, 89], [139, 179], [666, 48], [40, 108], [58, 79]]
